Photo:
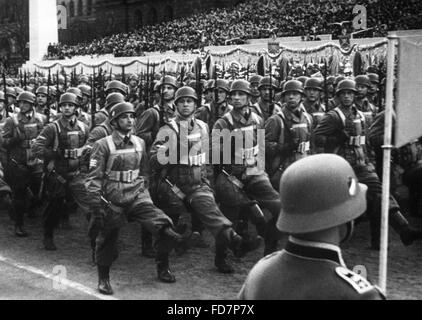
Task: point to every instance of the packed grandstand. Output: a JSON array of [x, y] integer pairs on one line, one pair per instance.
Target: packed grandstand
[[247, 20]]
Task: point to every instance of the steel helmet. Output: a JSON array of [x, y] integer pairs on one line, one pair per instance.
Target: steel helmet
[[27, 97], [313, 83], [319, 192], [121, 108], [42, 90], [186, 92], [133, 77], [293, 86], [373, 77], [117, 85], [254, 80], [302, 79], [20, 90], [192, 84], [346, 84], [268, 81], [338, 79], [10, 82], [113, 99], [363, 80], [83, 78], [69, 97], [169, 80], [10, 92], [240, 85], [330, 80], [210, 85], [85, 89], [77, 92]]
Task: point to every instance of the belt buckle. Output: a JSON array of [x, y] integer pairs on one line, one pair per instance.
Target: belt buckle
[[129, 176]]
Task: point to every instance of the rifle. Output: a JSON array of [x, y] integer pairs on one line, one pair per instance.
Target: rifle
[[257, 214], [147, 85], [5, 94], [93, 101], [163, 113], [215, 94], [325, 84], [24, 81], [271, 110], [123, 75], [151, 87], [179, 193], [57, 87], [65, 81]]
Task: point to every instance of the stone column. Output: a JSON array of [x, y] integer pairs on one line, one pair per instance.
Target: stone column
[[42, 27]]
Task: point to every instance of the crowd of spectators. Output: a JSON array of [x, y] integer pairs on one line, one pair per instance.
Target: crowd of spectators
[[249, 20]]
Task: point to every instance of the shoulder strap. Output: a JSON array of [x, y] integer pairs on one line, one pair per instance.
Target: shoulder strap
[[57, 131], [105, 128], [112, 148], [256, 118], [282, 117], [173, 125], [202, 125], [82, 126], [341, 115], [229, 119]]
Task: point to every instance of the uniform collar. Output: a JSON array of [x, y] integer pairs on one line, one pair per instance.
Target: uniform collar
[[314, 250], [67, 122], [237, 116], [119, 137], [293, 115], [25, 115]]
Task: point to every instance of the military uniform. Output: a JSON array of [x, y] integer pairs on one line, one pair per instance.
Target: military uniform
[[368, 110], [342, 131], [61, 145], [24, 168], [210, 113], [262, 109], [315, 109], [287, 139], [189, 175], [306, 270], [118, 173], [257, 186]]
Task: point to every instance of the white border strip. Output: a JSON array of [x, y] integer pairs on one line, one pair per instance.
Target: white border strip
[[64, 282]]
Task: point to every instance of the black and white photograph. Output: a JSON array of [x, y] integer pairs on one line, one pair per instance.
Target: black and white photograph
[[215, 151]]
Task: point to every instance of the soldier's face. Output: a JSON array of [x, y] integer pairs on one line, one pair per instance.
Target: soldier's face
[[373, 88], [267, 94], [168, 92], [209, 95], [222, 96], [293, 99], [85, 99], [41, 99], [362, 91], [125, 122], [313, 94], [239, 99], [186, 106], [68, 109], [346, 97], [133, 83], [25, 106]]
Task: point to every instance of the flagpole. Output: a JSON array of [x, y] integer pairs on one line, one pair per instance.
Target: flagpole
[[392, 40]]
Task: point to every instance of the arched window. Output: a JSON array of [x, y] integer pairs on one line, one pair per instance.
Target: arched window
[[89, 7], [153, 16], [80, 8], [71, 9], [138, 18], [168, 13]]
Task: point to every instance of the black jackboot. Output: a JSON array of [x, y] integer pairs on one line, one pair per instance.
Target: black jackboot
[[400, 224], [104, 286]]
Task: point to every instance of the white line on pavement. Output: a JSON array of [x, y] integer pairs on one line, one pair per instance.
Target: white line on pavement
[[63, 281]]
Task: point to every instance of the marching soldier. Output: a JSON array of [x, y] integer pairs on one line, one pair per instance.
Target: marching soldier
[[184, 182], [148, 124], [81, 115], [43, 107], [265, 107], [116, 86], [61, 146], [132, 96], [361, 100], [312, 102], [117, 186], [334, 102], [320, 198], [342, 131], [24, 168], [241, 182], [255, 94], [373, 89], [10, 96], [210, 113], [86, 97], [287, 133]]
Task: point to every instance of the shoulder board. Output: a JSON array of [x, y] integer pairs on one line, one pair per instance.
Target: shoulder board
[[357, 282], [81, 125]]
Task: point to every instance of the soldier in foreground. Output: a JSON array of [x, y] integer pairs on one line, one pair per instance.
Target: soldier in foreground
[[320, 199], [117, 187]]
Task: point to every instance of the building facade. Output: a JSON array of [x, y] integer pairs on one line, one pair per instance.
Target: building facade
[[89, 19]]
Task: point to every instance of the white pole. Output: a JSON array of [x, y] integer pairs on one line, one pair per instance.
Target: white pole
[[392, 39]]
